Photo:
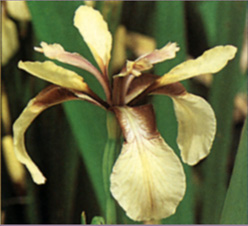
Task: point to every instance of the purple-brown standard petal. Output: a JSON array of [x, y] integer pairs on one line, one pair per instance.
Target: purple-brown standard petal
[[148, 180], [196, 122], [50, 96], [160, 55], [138, 85], [147, 61], [128, 87], [57, 52]]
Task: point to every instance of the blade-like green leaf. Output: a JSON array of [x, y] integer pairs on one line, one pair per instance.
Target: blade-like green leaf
[[235, 208], [222, 93], [170, 27]]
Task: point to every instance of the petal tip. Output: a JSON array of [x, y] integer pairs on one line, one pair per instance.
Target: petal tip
[[39, 179], [95, 33]]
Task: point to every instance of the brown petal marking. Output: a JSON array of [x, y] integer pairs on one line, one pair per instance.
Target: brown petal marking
[[174, 89], [119, 90], [138, 85], [144, 114], [53, 95]]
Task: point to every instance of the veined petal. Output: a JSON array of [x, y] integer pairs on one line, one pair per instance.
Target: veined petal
[[147, 61], [148, 180], [57, 75], [138, 85], [56, 51], [94, 30], [211, 61], [196, 127], [160, 55], [47, 98]]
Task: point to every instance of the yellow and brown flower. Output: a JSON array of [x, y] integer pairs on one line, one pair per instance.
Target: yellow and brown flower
[[147, 180]]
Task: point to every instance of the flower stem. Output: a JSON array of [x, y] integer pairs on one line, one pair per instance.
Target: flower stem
[[110, 152]]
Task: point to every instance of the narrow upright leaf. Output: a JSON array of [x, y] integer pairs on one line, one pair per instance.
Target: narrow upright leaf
[[235, 208]]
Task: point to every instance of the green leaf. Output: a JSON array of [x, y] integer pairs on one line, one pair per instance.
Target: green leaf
[[235, 208], [97, 220], [170, 27], [224, 88]]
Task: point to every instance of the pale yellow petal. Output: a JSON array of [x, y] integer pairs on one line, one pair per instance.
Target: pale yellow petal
[[57, 75], [50, 96], [18, 10], [10, 43], [148, 180], [159, 55], [19, 129], [211, 61], [57, 52], [196, 127], [94, 30]]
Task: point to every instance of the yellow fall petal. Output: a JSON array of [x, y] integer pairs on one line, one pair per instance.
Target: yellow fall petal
[[196, 127], [19, 129], [50, 72], [211, 61], [50, 96], [94, 30], [148, 180]]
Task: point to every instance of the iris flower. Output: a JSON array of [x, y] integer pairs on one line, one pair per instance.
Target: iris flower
[[147, 180]]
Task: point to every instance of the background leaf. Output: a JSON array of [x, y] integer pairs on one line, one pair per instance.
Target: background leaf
[[235, 208], [225, 85]]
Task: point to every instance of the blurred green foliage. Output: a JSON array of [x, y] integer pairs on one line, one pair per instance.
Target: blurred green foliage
[[67, 142], [235, 207]]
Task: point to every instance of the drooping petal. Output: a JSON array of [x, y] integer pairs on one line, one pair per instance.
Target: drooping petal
[[174, 89], [94, 30], [211, 61], [57, 75], [47, 98], [148, 180], [196, 127]]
